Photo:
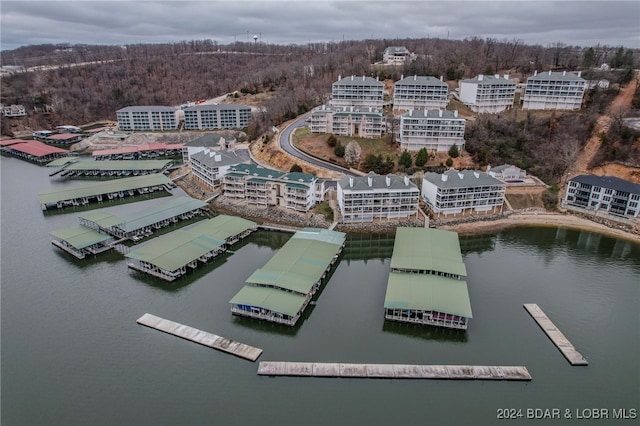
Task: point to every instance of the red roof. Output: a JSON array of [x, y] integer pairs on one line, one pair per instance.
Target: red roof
[[63, 136], [8, 142], [37, 148]]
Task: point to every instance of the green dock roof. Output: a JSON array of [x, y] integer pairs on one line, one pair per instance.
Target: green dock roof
[[172, 207], [59, 162], [269, 298], [428, 293], [80, 236], [107, 165], [300, 263], [427, 249], [178, 248], [102, 218], [103, 187]]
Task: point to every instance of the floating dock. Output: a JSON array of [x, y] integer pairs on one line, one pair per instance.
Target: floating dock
[[202, 337], [573, 356], [393, 371]]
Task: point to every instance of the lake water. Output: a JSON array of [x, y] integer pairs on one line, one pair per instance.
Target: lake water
[[72, 352]]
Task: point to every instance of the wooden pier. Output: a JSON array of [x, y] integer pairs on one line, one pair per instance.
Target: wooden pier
[[202, 337], [573, 356], [393, 371]]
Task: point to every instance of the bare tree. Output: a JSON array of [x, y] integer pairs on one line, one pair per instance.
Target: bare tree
[[352, 153]]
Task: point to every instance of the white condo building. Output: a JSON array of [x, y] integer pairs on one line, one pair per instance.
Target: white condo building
[[419, 92], [604, 193], [205, 117], [260, 186], [459, 192], [554, 90], [209, 166], [435, 130], [147, 118], [365, 198], [357, 92], [348, 121], [397, 55], [488, 93]]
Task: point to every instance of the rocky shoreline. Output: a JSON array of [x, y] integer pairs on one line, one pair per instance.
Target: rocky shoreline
[[465, 226]]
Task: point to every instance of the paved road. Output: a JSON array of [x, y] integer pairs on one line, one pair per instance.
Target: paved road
[[285, 144]]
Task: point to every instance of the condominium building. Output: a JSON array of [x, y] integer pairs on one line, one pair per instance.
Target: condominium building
[[554, 90], [212, 141], [397, 55], [205, 117], [348, 121], [488, 93], [435, 130], [418, 92], [147, 118], [604, 193], [459, 192], [208, 166], [357, 92], [370, 197], [260, 186]]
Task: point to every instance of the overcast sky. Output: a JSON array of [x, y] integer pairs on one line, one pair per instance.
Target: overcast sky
[[582, 23]]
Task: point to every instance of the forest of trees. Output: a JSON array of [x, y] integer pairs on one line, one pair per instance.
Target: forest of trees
[[297, 78]]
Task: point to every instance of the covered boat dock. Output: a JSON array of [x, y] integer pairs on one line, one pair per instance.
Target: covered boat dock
[[171, 256], [111, 168], [103, 191], [427, 283], [139, 152], [34, 151], [145, 222], [80, 241], [281, 290]]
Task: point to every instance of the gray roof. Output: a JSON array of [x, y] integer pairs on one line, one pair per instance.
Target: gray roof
[[255, 171], [361, 183], [149, 108], [462, 179], [359, 80], [397, 49], [610, 182], [348, 110], [216, 107], [432, 113], [556, 75], [419, 80], [489, 79], [217, 158], [210, 139]]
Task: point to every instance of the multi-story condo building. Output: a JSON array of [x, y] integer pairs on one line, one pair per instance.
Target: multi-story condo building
[[418, 92], [370, 197], [260, 186], [209, 166], [205, 117], [459, 192], [604, 193], [554, 90], [397, 55], [213, 141], [488, 93], [357, 92], [145, 118], [435, 130], [348, 121]]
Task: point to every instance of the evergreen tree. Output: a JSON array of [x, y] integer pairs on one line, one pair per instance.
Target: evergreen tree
[[453, 151], [405, 159], [339, 150], [295, 168], [422, 157]]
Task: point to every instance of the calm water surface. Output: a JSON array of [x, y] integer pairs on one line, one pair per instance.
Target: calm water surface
[[72, 352]]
